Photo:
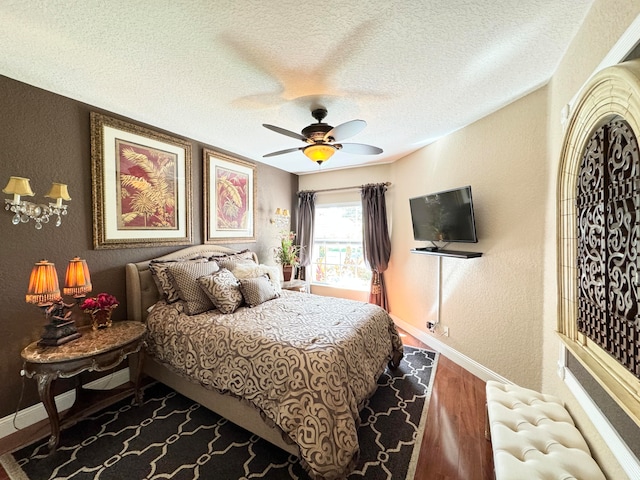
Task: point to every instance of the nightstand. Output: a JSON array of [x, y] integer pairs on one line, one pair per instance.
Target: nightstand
[[94, 351], [296, 286]]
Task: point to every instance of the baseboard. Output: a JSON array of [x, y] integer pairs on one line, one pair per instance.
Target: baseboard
[[465, 362], [64, 401]]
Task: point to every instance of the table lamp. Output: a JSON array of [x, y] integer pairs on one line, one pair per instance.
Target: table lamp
[[44, 291]]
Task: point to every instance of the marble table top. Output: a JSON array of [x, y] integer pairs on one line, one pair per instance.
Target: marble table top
[[92, 342]]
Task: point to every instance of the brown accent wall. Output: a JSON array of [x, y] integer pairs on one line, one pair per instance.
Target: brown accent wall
[[45, 137]]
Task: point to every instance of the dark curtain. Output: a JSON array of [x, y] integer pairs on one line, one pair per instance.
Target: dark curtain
[[376, 241], [306, 216]]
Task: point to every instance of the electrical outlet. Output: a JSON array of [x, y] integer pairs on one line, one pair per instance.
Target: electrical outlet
[[431, 326], [446, 331]]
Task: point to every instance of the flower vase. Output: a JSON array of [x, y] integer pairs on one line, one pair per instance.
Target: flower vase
[[101, 319], [286, 272]]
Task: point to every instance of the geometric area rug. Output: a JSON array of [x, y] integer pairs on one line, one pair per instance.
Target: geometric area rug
[[172, 437]]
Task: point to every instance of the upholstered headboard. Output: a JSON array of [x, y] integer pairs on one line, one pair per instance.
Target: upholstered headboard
[[142, 292]]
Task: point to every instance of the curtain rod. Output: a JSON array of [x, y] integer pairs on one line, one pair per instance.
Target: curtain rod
[[343, 188]]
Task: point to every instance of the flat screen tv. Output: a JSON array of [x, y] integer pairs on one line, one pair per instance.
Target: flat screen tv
[[444, 217]]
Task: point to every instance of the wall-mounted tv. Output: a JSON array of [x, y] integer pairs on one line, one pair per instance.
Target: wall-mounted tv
[[445, 216]]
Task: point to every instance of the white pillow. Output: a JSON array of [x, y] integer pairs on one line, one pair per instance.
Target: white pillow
[[246, 270]]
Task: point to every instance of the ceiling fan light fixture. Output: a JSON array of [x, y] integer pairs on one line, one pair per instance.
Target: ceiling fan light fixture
[[319, 153]]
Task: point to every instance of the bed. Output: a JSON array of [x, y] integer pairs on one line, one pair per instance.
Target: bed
[[294, 369]]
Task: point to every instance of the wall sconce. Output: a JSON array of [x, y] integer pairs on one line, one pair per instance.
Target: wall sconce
[[44, 291], [25, 211], [282, 218]]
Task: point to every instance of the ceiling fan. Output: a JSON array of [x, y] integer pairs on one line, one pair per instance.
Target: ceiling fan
[[322, 137]]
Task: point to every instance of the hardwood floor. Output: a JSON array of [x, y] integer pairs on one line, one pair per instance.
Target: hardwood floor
[[453, 446]]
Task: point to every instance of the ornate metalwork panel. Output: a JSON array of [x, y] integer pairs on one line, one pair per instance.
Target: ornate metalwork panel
[[608, 212]]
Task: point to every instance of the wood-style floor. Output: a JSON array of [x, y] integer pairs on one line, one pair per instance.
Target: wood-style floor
[[453, 446]]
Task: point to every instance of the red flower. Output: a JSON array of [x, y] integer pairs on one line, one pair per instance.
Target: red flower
[[103, 301]]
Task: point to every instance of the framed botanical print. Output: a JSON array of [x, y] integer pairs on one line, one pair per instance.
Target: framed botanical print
[[141, 186], [229, 195]]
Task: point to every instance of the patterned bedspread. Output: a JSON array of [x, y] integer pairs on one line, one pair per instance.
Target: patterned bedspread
[[308, 362]]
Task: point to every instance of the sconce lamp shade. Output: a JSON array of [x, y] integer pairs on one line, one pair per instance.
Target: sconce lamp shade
[[278, 211], [319, 153], [282, 212], [43, 284], [58, 190], [77, 281], [19, 186]]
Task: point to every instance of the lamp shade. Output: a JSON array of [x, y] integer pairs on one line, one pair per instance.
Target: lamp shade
[[58, 190], [319, 153], [77, 281], [43, 284], [19, 186]]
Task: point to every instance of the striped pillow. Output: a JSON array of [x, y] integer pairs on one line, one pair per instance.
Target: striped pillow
[[231, 261]]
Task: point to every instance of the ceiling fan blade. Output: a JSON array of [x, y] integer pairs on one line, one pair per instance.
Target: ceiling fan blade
[[359, 148], [284, 131], [282, 152], [345, 130]]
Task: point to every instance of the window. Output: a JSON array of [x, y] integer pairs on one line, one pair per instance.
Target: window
[[337, 259]]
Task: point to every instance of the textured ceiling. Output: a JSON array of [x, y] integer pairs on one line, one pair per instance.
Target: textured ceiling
[[215, 71]]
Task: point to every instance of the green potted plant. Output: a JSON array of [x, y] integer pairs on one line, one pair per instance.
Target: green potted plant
[[287, 254]]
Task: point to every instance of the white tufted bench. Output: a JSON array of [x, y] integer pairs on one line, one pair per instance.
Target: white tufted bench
[[533, 437]]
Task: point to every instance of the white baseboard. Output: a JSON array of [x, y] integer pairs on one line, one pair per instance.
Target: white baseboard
[[465, 362], [64, 401]]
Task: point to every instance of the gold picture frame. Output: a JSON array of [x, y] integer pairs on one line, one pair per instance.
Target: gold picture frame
[[230, 190], [141, 186]]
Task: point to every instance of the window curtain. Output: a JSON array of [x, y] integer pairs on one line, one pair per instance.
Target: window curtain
[[306, 216], [376, 241]]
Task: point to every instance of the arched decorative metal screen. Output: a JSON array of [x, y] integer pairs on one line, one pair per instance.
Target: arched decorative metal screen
[[598, 214], [608, 215]]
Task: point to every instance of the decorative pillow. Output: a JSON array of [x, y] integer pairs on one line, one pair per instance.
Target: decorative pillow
[[251, 270], [230, 261], [257, 290], [185, 275], [223, 289], [163, 281]]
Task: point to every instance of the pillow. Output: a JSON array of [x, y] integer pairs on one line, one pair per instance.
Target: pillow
[[257, 290], [184, 275], [251, 270], [223, 289], [163, 281], [230, 261]]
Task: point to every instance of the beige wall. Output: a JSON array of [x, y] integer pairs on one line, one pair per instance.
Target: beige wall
[[492, 304]]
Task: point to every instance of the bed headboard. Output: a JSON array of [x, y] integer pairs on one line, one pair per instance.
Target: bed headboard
[[141, 288]]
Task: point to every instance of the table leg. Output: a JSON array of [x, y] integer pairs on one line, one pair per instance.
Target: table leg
[[46, 397], [137, 373]]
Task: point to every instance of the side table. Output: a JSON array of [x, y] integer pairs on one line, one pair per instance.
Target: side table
[[95, 350], [296, 286]]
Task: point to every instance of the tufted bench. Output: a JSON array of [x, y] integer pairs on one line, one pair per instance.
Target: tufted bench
[[533, 437]]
